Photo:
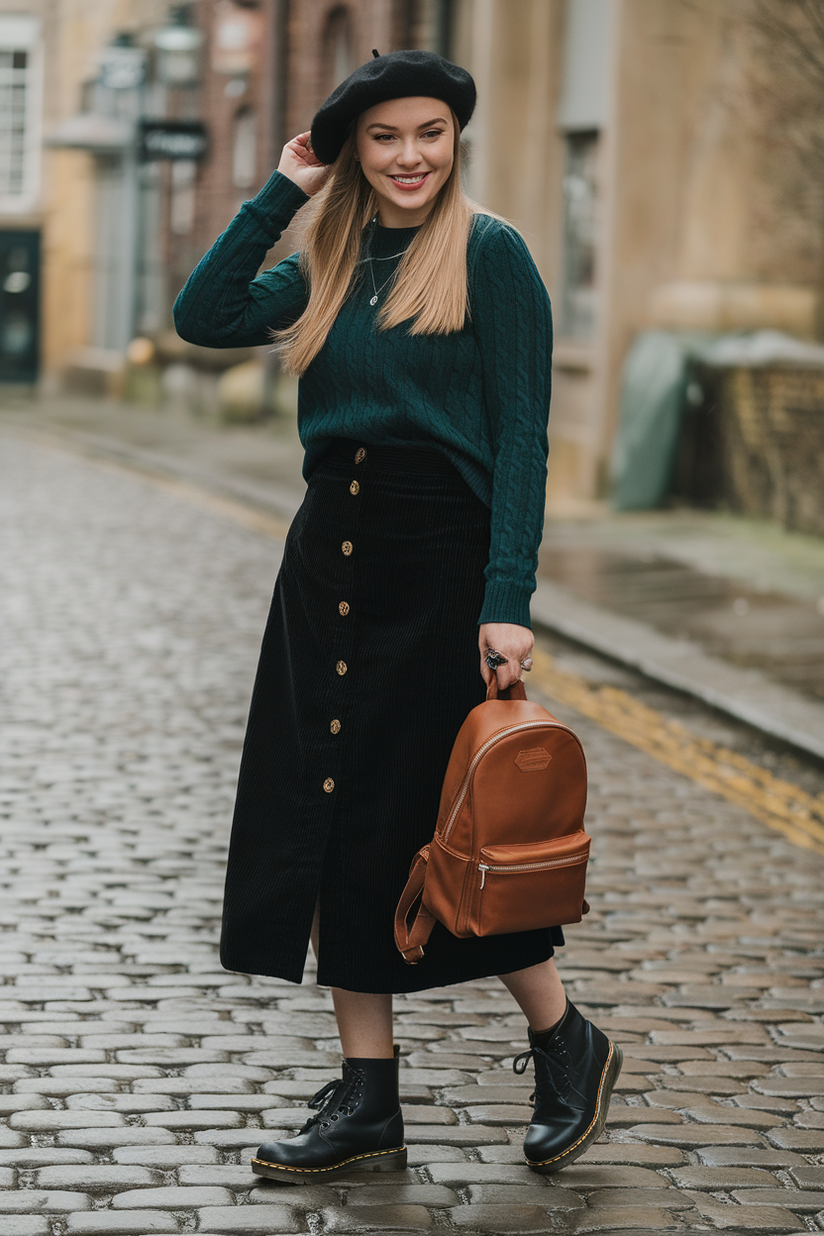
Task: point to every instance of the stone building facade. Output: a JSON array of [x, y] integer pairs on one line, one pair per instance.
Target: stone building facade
[[631, 141], [27, 99], [109, 237]]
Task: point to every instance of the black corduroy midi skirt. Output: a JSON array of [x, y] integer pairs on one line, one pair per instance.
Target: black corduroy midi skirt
[[368, 668]]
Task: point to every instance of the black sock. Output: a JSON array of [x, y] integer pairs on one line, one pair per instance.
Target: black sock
[[542, 1038]]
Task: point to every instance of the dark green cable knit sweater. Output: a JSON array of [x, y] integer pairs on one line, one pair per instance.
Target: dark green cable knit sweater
[[481, 395]]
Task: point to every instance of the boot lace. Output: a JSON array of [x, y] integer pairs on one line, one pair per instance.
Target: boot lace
[[335, 1099], [557, 1058], [523, 1060]]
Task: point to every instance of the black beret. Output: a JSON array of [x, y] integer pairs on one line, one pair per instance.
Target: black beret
[[397, 75]]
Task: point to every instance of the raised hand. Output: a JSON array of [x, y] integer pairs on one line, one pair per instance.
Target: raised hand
[[299, 162]]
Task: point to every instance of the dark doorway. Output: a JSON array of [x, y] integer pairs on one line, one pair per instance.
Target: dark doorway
[[19, 305]]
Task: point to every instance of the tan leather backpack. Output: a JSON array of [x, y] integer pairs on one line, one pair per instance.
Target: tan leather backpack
[[509, 851]]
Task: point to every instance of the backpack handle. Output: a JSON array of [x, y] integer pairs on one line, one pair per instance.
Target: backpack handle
[[412, 931], [517, 691]]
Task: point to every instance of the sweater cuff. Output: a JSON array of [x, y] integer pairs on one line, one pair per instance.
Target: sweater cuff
[[506, 602], [278, 200]]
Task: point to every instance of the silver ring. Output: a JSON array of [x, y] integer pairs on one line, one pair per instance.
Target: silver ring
[[526, 664], [494, 659]]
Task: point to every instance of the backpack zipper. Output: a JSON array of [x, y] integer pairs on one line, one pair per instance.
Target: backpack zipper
[[549, 862], [490, 742]]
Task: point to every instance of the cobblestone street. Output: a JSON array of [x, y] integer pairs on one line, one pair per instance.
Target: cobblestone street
[[136, 1074]]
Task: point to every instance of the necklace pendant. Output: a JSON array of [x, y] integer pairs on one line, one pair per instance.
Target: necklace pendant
[[373, 300]]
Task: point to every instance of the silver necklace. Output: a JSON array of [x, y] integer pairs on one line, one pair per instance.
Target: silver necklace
[[373, 300], [388, 258]]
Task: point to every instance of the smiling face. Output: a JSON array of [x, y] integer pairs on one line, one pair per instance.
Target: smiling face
[[406, 150]]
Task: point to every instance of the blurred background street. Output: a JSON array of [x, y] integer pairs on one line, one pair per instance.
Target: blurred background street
[[664, 160]]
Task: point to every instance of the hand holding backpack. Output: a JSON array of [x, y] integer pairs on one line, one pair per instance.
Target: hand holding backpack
[[509, 851]]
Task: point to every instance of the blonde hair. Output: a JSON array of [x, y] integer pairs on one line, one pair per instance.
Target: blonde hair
[[430, 285]]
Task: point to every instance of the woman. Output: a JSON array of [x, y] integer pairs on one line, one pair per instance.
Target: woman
[[421, 332]]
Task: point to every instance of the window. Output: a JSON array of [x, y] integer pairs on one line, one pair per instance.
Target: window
[[579, 235], [19, 112], [19, 310], [13, 83], [583, 113], [338, 61], [244, 149], [182, 201]]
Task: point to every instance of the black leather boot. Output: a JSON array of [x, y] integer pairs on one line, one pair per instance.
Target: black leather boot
[[359, 1127], [575, 1071]]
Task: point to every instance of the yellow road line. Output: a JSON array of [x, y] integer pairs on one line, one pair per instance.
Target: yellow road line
[[249, 516], [780, 805], [231, 508]]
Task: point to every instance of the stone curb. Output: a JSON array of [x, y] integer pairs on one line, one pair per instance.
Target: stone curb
[[747, 695]]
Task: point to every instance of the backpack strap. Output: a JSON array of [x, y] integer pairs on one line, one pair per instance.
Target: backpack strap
[[413, 922], [516, 691]]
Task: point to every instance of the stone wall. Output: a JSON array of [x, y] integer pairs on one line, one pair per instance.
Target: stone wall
[[756, 445]]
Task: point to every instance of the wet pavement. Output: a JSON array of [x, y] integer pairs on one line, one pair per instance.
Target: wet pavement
[[136, 1075], [752, 627], [259, 463], [741, 590]]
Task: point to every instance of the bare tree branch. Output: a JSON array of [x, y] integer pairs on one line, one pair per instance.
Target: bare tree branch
[[810, 53], [813, 10]]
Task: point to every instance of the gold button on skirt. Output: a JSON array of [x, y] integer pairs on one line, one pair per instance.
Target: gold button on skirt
[[351, 727]]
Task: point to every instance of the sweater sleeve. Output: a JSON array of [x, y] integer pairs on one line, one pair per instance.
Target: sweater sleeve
[[223, 304], [512, 319]]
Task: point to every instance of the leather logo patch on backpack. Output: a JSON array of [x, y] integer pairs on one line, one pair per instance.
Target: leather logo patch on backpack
[[533, 759]]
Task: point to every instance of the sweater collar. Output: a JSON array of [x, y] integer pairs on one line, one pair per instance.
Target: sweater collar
[[385, 241]]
